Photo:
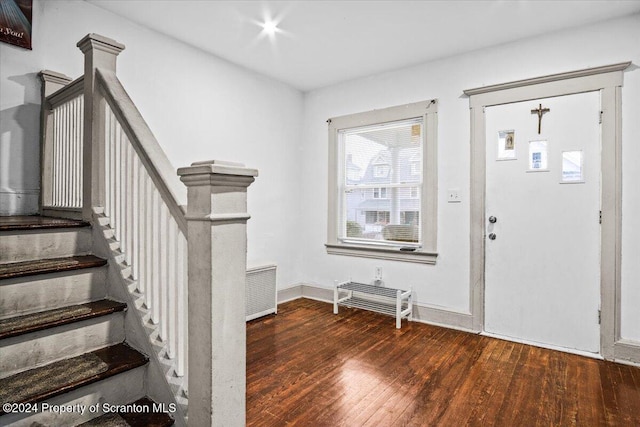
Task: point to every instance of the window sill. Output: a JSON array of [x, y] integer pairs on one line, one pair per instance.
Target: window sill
[[382, 253]]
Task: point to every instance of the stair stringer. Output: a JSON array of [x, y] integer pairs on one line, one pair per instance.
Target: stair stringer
[[163, 385]]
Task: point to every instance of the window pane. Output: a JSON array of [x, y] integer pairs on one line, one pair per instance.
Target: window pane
[[385, 161]]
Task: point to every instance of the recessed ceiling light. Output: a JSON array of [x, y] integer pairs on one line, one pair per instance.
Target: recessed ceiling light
[[270, 27]]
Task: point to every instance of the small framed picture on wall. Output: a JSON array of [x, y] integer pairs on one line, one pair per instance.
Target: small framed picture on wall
[[506, 145], [538, 160], [15, 22], [573, 166]]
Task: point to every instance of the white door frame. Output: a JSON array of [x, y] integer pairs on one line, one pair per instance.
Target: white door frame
[[608, 80]]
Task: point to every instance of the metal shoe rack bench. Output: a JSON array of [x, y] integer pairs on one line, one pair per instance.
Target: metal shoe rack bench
[[394, 302]]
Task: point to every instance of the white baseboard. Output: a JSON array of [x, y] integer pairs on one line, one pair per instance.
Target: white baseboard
[[627, 351], [421, 313], [543, 345], [305, 291], [289, 294], [19, 202], [441, 317]]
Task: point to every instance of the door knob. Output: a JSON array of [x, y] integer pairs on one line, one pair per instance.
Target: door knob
[[492, 236], [493, 219]]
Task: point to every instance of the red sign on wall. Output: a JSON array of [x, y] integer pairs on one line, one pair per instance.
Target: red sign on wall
[[15, 22]]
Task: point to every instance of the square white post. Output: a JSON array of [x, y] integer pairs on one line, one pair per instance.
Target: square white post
[[99, 52], [217, 246]]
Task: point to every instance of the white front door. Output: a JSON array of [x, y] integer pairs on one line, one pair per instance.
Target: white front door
[[542, 253]]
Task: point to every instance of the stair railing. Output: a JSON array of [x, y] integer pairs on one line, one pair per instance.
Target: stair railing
[[142, 199], [143, 196], [62, 144], [189, 264]]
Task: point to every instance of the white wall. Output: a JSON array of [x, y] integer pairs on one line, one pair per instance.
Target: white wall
[[199, 107], [19, 130], [447, 283]]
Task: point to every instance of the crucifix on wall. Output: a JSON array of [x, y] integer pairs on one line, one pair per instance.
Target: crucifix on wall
[[540, 111]]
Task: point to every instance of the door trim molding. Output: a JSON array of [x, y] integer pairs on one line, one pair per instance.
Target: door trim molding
[[608, 81], [549, 78]]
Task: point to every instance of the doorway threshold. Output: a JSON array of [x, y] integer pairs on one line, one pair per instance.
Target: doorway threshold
[[543, 345]]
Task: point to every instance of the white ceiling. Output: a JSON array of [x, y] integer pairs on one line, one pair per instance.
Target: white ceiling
[[324, 42]]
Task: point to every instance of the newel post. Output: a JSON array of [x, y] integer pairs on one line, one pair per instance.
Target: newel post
[[217, 241], [99, 52]]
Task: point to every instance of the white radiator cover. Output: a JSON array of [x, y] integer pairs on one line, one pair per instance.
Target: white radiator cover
[[261, 294]]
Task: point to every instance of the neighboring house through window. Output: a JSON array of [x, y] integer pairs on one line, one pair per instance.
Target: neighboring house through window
[[382, 183], [380, 168], [380, 193]]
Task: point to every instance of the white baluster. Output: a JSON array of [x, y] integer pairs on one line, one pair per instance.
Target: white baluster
[[72, 154], [140, 249], [135, 212], [124, 206], [112, 166], [163, 282], [64, 155], [185, 312], [181, 303], [130, 207], [129, 211], [172, 286], [80, 122], [56, 154], [67, 155], [155, 255], [107, 161], [73, 135], [118, 187], [121, 189], [148, 240], [63, 152]]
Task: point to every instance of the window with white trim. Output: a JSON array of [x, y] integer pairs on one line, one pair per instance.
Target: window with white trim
[[380, 193], [388, 209]]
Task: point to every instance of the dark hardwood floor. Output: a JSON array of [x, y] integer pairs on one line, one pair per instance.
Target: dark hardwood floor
[[309, 367]]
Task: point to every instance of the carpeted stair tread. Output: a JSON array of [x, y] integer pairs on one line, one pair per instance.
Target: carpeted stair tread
[[141, 415], [107, 420], [13, 223], [50, 265], [41, 383], [24, 324]]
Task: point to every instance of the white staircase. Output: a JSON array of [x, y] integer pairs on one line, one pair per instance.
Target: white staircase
[[155, 239], [65, 359]]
